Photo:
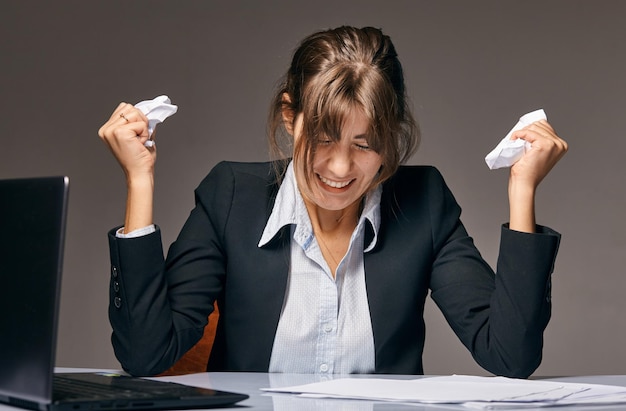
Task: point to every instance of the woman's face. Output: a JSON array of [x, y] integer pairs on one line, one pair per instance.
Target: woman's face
[[342, 171]]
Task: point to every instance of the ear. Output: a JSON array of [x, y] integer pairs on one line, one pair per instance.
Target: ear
[[287, 113]]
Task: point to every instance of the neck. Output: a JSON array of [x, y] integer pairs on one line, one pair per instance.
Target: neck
[[329, 221], [333, 229]]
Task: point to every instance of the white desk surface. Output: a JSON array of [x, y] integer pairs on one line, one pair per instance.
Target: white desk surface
[[250, 383]]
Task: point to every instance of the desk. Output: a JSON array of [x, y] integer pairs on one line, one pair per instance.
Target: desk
[[249, 383]]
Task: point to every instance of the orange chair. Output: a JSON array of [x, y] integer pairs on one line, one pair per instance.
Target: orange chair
[[195, 360]]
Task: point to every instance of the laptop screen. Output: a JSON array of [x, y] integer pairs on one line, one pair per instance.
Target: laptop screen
[[32, 224]]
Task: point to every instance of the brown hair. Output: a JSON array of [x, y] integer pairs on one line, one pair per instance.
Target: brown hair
[[331, 73]]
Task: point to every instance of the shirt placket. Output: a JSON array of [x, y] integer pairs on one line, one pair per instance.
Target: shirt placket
[[327, 332]]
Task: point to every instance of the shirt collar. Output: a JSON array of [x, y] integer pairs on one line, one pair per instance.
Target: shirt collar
[[289, 209]]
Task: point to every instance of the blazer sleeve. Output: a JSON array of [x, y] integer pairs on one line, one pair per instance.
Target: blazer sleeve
[[500, 317], [158, 308]]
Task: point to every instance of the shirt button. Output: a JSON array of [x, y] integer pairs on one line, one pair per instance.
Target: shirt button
[[328, 328], [324, 367]]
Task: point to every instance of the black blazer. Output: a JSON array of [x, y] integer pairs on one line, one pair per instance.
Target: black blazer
[[158, 308]]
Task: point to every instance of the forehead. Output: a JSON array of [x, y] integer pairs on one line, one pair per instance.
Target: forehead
[[347, 120], [356, 121]]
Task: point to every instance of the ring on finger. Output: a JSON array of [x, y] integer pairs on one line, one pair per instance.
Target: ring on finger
[[124, 117]]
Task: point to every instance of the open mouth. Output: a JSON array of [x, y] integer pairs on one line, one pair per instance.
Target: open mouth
[[334, 184]]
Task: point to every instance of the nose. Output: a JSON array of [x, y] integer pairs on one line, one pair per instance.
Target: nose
[[340, 161]]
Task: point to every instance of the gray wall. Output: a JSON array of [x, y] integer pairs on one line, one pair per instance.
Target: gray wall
[[472, 68]]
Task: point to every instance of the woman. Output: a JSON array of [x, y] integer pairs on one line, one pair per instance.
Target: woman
[[322, 264]]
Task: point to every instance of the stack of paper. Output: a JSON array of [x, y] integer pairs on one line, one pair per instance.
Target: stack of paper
[[470, 391]]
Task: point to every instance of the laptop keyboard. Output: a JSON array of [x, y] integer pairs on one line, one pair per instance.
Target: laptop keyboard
[[65, 388]]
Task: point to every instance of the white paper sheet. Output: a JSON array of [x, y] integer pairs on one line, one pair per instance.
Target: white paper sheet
[[508, 151], [157, 110], [471, 391]]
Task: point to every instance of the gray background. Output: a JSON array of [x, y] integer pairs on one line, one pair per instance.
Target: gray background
[[472, 68]]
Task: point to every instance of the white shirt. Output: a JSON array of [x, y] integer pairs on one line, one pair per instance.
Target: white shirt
[[325, 324]]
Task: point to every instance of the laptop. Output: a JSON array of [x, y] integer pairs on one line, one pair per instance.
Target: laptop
[[33, 214]]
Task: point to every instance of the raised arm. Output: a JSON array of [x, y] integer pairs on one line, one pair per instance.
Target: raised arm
[[125, 133], [526, 174]]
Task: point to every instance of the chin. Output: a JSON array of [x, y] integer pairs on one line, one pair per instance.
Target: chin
[[324, 202]]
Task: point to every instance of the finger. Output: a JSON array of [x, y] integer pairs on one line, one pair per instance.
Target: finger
[[128, 113], [119, 112], [125, 115], [117, 132], [119, 109], [543, 138], [544, 129], [114, 119], [537, 130], [552, 134]]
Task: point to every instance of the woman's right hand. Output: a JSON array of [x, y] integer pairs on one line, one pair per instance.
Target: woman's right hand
[[125, 133]]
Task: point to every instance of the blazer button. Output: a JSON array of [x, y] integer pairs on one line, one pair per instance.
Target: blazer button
[[114, 271], [118, 302], [116, 286]]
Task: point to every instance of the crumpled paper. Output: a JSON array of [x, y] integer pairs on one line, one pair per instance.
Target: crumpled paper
[[157, 110], [508, 151]]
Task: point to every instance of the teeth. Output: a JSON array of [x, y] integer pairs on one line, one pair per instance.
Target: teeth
[[334, 184]]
